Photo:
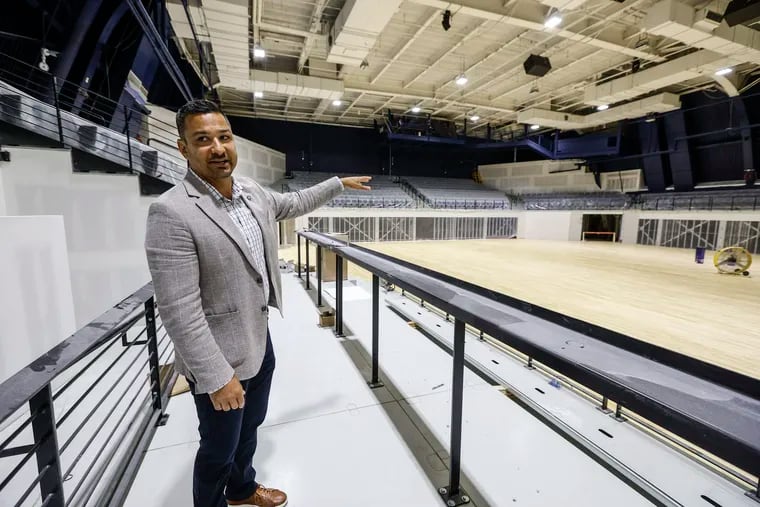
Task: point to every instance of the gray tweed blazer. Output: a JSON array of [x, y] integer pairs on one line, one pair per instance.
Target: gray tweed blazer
[[208, 293]]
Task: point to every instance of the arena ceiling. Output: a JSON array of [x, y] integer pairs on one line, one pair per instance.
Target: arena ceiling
[[349, 61]]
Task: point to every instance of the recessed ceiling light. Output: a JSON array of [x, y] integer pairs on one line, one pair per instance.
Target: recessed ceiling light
[[602, 107], [553, 21]]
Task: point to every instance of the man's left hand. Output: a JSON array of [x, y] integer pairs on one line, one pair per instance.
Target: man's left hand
[[356, 182]]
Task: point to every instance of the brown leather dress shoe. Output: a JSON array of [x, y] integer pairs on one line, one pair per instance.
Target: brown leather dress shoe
[[263, 497]]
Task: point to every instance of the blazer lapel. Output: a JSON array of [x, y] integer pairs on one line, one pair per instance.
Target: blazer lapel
[[258, 214], [208, 205]]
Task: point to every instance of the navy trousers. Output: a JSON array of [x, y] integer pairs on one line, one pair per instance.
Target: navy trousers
[[224, 463]]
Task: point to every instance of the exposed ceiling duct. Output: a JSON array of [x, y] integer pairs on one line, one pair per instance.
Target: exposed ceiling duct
[[357, 29], [228, 26], [659, 76], [564, 5], [565, 121], [288, 84], [685, 24]]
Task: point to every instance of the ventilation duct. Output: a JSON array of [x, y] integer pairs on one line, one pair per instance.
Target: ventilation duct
[[564, 5], [288, 84], [683, 23], [357, 28], [676, 71], [661, 103]]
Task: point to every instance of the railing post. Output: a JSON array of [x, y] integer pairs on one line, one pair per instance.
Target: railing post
[[126, 131], [298, 241], [48, 454], [308, 287], [453, 494], [338, 295], [319, 275], [57, 108], [755, 495], [375, 382], [155, 377]]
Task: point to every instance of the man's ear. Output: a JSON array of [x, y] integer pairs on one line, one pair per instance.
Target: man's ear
[[182, 147]]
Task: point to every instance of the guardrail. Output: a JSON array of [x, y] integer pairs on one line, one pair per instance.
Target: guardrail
[[94, 402], [616, 366], [72, 116]]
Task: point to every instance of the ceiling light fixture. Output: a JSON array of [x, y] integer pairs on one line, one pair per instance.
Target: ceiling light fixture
[[553, 20], [337, 102], [723, 72], [461, 80], [474, 117], [258, 95], [416, 109], [258, 52], [602, 107], [535, 127]]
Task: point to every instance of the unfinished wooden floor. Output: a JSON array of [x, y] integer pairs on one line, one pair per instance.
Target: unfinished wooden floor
[[655, 294]]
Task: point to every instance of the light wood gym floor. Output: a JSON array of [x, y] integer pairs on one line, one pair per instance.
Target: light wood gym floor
[[655, 294]]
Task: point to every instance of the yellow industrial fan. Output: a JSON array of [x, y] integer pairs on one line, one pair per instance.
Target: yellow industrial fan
[[733, 260]]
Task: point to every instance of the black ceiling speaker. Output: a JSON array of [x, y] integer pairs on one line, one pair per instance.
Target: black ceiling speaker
[[537, 65], [446, 21], [742, 12]]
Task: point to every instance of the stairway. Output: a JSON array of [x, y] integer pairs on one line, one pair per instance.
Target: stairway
[[26, 112]]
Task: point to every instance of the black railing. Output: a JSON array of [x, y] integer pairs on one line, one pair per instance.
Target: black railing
[[94, 402], [723, 424], [75, 117]]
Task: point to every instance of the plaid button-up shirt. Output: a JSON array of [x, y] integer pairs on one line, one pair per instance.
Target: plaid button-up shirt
[[243, 218]]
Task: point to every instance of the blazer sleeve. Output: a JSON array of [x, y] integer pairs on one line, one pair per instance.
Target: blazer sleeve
[[173, 264], [295, 204]]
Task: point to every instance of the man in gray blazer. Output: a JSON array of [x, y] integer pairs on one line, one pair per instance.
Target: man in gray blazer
[[212, 251]]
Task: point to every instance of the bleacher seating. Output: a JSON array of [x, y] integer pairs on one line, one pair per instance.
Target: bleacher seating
[[576, 201], [386, 191], [736, 199], [458, 193]]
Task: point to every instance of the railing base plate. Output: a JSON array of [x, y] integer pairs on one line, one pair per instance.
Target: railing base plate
[[460, 498]]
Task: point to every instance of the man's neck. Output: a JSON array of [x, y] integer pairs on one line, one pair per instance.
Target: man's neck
[[224, 186]]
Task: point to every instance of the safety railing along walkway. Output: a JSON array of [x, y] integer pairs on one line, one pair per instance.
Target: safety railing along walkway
[[73, 117], [75, 423], [715, 409]]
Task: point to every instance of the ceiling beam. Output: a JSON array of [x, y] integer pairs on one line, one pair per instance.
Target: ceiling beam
[[432, 17], [494, 10], [446, 53], [505, 106], [314, 26]]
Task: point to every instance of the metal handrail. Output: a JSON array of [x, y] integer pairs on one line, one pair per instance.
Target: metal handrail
[[89, 349], [472, 305], [56, 108]]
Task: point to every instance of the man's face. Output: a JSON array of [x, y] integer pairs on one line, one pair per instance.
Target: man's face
[[208, 145]]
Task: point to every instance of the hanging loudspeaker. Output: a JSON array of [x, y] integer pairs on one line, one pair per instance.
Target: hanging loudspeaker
[[537, 65]]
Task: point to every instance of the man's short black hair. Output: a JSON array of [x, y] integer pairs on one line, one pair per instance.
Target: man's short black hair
[[198, 106]]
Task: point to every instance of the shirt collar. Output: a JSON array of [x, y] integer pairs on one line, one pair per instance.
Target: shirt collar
[[237, 190]]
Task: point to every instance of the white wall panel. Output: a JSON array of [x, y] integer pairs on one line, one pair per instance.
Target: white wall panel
[[104, 219], [36, 301]]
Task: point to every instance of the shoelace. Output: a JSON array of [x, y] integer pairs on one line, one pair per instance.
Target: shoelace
[[264, 490]]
